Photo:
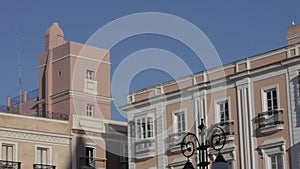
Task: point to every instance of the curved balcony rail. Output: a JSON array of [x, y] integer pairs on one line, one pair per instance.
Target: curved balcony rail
[[91, 163], [270, 120], [10, 164], [43, 166], [227, 126], [144, 147], [174, 141]]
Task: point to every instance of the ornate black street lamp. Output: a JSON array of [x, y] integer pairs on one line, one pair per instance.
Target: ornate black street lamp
[[216, 140]]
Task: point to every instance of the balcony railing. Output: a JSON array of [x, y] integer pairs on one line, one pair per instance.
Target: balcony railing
[[10, 165], [144, 147], [270, 120], [91, 163], [43, 166], [227, 126], [174, 141]]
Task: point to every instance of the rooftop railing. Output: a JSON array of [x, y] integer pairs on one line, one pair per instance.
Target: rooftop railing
[[47, 114]]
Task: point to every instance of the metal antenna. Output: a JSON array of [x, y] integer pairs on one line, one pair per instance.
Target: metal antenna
[[19, 67]]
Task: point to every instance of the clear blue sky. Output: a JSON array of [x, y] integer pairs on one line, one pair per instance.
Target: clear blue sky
[[238, 29]]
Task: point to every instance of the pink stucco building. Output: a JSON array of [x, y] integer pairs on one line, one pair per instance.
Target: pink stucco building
[[66, 122]]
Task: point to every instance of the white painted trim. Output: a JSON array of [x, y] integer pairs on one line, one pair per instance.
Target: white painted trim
[[15, 149], [216, 108], [184, 110], [50, 153], [240, 127], [80, 57], [273, 146], [263, 96], [34, 132]]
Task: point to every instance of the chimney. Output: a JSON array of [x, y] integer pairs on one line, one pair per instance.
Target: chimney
[[293, 34], [54, 36]]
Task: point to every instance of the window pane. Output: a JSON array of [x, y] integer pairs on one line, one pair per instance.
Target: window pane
[[143, 128], [44, 157], [4, 152], [38, 155], [276, 161]]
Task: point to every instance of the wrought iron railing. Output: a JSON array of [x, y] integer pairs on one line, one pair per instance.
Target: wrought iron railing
[[270, 118], [10, 164], [227, 126], [16, 100], [33, 94], [53, 115], [91, 163], [3, 108], [43, 166], [144, 145], [9, 109], [175, 139], [49, 115], [19, 99]]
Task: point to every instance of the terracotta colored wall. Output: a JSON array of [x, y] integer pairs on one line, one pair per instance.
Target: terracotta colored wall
[[268, 60], [281, 81]]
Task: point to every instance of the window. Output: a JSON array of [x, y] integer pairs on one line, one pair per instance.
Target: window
[[273, 153], [7, 152], [271, 99], [223, 111], [43, 156], [90, 110], [179, 121], [90, 154], [90, 75], [276, 161], [144, 127]]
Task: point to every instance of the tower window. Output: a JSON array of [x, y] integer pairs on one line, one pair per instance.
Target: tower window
[[90, 110], [90, 75]]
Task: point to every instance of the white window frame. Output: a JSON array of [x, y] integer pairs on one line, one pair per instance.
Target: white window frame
[[272, 147], [90, 112], [124, 152], [264, 96], [93, 146], [15, 149], [140, 117], [217, 109], [90, 75], [174, 119], [48, 153]]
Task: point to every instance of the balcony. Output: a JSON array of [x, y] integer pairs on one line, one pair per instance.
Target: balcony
[[91, 163], [227, 126], [270, 121], [144, 148], [43, 166], [174, 141], [10, 164]]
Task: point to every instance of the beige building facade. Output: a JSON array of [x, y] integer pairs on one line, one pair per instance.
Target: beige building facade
[[255, 100], [66, 122]]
